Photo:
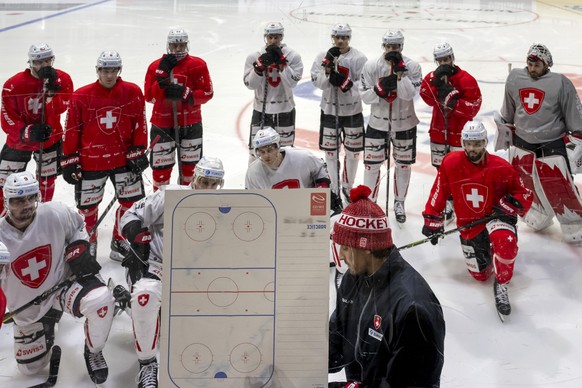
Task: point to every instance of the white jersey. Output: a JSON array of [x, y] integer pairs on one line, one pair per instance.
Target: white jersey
[[280, 83], [37, 257], [542, 110], [149, 211], [350, 102], [299, 169], [403, 114]]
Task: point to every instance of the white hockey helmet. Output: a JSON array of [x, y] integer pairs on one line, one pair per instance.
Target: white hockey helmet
[[178, 35], [20, 184], [109, 59], [274, 28], [540, 52], [211, 168], [474, 130], [443, 50], [393, 37], [265, 137], [341, 29], [40, 51]]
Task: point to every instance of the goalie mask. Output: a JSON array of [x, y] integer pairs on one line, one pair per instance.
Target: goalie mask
[[539, 52], [178, 43], [23, 188], [208, 174]]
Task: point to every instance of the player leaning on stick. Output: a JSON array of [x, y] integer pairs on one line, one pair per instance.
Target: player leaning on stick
[[47, 244], [341, 100], [143, 226], [389, 84], [272, 72], [106, 138], [481, 184], [177, 84], [544, 112], [455, 98], [32, 104]]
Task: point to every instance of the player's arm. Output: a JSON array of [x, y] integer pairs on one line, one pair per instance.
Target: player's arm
[[251, 78], [318, 73], [368, 80], [11, 119], [292, 69], [428, 91], [470, 99], [409, 83], [202, 88]]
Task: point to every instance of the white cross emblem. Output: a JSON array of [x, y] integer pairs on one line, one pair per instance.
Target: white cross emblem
[[475, 198], [531, 101], [34, 105], [143, 300], [108, 120], [33, 269], [273, 75]]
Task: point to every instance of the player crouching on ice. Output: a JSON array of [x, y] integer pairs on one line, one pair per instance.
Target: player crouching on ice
[[143, 226], [47, 243], [482, 185]]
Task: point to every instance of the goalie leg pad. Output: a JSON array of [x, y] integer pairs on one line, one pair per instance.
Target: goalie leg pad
[[146, 300], [574, 151], [97, 306], [477, 256], [31, 347], [572, 233]]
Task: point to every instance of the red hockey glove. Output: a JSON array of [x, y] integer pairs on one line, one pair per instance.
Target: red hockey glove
[[340, 80], [433, 226], [396, 61], [71, 168], [386, 87], [508, 209], [78, 256]]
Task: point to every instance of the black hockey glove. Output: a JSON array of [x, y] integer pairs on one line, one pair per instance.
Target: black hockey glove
[[386, 85], [507, 209], [330, 56], [340, 80], [445, 70], [137, 160], [50, 75], [434, 226], [164, 69], [448, 95], [137, 259], [395, 58], [35, 133], [71, 168], [276, 54], [336, 204], [78, 256], [176, 92]]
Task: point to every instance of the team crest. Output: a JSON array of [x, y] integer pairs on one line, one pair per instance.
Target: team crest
[[143, 299], [531, 99], [273, 75], [33, 105], [33, 267], [377, 321], [102, 312], [475, 196], [108, 119]]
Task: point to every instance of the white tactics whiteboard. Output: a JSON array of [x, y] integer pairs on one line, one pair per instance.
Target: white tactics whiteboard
[[246, 288]]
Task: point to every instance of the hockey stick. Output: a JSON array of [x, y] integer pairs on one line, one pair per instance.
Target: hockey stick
[[264, 108], [54, 364], [446, 122], [40, 298], [177, 133], [337, 133], [388, 135], [114, 199], [450, 231], [42, 119]]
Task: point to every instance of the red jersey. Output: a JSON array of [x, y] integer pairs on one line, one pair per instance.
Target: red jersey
[[22, 105], [190, 72], [475, 188], [103, 123], [468, 106]]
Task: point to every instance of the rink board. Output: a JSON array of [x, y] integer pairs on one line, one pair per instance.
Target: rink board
[[245, 291]]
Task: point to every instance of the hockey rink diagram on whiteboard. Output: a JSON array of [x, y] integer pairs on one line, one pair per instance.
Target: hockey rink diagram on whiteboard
[[221, 272]]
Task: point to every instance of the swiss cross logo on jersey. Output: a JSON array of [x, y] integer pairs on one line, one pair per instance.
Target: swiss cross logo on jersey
[[108, 119], [102, 312], [33, 267], [273, 75], [377, 321], [531, 99], [143, 299], [33, 105], [475, 196]]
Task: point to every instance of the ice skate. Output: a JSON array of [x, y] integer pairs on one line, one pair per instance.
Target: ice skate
[[501, 300], [399, 212], [96, 366], [148, 374], [119, 248]]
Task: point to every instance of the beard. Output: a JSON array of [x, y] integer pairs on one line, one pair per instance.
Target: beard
[[475, 157]]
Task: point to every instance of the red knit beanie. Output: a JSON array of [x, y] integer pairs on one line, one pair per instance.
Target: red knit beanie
[[362, 224]]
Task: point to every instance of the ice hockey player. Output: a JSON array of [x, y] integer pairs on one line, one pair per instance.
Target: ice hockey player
[[143, 225], [481, 185], [177, 84], [47, 243], [387, 329], [32, 104], [337, 73], [455, 98], [286, 167], [272, 72], [4, 260], [541, 111], [389, 84], [106, 138]]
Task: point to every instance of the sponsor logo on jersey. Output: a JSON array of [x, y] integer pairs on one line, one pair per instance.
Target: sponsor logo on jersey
[[318, 204], [374, 334], [531, 99], [475, 196], [32, 268], [377, 321]]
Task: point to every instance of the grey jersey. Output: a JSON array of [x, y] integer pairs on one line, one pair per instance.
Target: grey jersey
[[403, 114], [299, 169], [542, 110], [280, 83], [37, 257], [350, 102]]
